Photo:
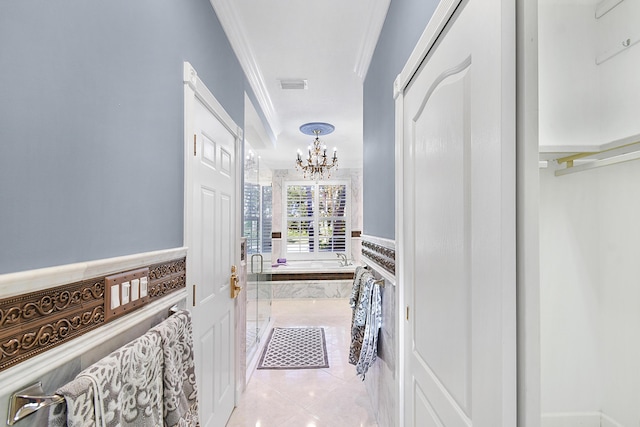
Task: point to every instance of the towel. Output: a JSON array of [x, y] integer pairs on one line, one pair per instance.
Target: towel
[[373, 322], [358, 314], [355, 291], [179, 378], [79, 410], [123, 389]]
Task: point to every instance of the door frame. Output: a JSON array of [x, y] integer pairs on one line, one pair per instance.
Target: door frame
[[195, 89], [527, 196], [527, 212]]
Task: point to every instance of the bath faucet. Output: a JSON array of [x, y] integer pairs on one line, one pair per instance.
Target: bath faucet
[[344, 262]]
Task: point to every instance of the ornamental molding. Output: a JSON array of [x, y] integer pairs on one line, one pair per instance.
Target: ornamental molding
[[385, 257], [35, 322]]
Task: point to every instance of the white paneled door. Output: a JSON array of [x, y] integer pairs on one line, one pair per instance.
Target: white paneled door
[[457, 223], [211, 232]]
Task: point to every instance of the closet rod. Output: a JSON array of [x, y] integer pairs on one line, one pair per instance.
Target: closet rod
[[600, 163]]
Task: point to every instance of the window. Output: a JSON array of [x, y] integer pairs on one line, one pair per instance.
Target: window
[[266, 219], [317, 218], [257, 218]]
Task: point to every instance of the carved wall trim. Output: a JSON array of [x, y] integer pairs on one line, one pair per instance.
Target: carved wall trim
[[35, 322], [167, 277], [381, 255]]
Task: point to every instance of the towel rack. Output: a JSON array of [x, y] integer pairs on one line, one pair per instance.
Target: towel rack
[[33, 398], [28, 400], [379, 282]]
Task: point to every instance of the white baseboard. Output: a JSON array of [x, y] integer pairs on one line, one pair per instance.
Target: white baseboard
[[578, 419]]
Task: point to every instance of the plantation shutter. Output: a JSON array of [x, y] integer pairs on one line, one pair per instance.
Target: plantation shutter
[[267, 218], [332, 218], [317, 218], [300, 218], [252, 217]]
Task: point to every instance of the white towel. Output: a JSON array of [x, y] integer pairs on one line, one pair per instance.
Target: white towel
[[179, 378], [123, 389]]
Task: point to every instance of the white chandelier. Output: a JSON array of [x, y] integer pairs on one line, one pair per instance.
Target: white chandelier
[[317, 165]]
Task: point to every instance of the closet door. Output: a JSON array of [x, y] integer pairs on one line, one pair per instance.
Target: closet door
[[458, 221]]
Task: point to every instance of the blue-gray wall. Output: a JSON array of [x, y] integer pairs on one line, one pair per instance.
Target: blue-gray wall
[[406, 20], [91, 123]]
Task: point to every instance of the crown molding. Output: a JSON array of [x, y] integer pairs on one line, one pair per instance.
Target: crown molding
[[377, 15], [238, 40]]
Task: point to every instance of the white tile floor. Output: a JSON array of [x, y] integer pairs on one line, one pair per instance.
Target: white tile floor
[[333, 397]]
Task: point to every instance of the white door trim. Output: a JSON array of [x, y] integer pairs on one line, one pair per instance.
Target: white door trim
[[527, 212]]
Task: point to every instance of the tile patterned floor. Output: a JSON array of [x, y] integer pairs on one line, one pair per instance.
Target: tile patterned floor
[[333, 397]]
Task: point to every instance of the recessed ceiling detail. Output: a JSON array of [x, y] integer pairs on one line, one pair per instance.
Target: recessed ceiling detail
[[293, 84], [316, 128], [279, 47]]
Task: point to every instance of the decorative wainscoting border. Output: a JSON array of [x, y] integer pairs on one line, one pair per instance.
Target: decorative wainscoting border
[[34, 322], [380, 251], [167, 277]]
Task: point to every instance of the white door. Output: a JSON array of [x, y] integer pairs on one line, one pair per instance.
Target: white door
[[458, 222], [212, 234]]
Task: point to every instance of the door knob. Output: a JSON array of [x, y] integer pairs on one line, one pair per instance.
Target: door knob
[[233, 282]]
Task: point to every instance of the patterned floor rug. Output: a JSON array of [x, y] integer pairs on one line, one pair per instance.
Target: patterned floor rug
[[295, 348]]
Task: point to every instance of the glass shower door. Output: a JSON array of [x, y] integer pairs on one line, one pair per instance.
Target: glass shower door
[[257, 218], [258, 304]]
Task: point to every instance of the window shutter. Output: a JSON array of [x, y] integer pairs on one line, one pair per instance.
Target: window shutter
[[317, 218], [300, 218], [332, 218], [252, 217], [267, 218]]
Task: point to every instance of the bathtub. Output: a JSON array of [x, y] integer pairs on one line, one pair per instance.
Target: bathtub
[[310, 266], [311, 279]]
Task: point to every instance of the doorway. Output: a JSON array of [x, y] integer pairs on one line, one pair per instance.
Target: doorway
[[212, 234]]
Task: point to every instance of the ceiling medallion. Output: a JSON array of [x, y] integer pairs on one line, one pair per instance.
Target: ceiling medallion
[[317, 165]]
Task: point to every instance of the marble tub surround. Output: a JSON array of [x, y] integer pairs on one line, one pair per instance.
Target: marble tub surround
[[332, 265], [322, 289], [332, 396], [311, 279]]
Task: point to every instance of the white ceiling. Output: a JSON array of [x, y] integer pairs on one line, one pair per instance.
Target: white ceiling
[[329, 43]]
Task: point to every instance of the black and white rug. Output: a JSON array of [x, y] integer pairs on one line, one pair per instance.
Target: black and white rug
[[295, 348]]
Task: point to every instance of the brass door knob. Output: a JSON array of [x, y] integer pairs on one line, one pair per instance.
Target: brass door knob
[[233, 282]]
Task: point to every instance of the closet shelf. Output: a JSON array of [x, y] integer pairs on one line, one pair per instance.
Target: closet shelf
[[619, 151]]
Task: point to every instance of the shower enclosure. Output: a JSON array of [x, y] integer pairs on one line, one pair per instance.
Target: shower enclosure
[[257, 230]]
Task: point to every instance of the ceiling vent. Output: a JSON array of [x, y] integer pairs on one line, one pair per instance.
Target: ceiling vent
[[297, 84]]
